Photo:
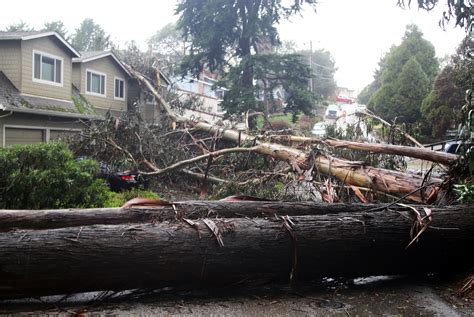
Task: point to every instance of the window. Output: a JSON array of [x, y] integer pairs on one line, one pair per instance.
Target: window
[[47, 69], [119, 89], [95, 83]]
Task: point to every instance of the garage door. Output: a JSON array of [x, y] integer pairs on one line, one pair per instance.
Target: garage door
[[56, 135], [23, 136]]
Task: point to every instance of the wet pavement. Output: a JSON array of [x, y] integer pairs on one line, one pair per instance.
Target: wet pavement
[[373, 296]]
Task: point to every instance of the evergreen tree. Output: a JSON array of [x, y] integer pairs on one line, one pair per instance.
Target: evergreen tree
[[56, 26], [441, 108], [408, 73], [90, 37], [227, 37], [19, 27]]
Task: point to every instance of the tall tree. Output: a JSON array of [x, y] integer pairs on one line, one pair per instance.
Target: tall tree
[[414, 61], [90, 36], [441, 108], [323, 68], [56, 26], [169, 47], [221, 31], [19, 27]]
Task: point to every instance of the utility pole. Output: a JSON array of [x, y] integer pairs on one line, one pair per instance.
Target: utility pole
[[311, 65]]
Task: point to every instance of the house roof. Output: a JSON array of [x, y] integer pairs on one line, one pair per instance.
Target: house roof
[[93, 55], [25, 36], [12, 100]]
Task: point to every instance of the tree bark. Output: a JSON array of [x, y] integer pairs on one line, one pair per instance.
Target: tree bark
[[185, 252], [414, 152], [349, 172]]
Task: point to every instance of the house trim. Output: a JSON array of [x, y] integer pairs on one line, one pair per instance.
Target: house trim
[[105, 83], [104, 54], [52, 33], [42, 81], [47, 98]]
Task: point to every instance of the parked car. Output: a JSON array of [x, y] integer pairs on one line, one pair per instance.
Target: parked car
[[119, 178], [319, 129], [332, 112], [452, 147], [345, 99]]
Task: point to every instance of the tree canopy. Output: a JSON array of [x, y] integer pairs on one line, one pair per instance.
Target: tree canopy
[[226, 37], [323, 68], [19, 27], [56, 26], [405, 77], [90, 36], [441, 108]]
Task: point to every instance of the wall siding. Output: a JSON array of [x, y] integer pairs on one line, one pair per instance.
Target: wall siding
[[51, 46], [10, 61], [76, 75], [109, 67]]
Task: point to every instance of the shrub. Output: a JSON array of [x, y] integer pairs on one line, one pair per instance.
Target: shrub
[[46, 175], [119, 199], [280, 124]]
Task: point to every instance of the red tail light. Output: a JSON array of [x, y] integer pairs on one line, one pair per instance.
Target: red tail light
[[127, 177]]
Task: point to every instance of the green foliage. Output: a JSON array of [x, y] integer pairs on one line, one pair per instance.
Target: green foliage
[[241, 31], [465, 193], [408, 72], [442, 107], [119, 199], [270, 72], [323, 69], [56, 26], [90, 36], [46, 175], [19, 27], [461, 11]]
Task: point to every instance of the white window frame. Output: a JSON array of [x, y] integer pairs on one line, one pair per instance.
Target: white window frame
[[42, 81], [105, 83], [115, 92]]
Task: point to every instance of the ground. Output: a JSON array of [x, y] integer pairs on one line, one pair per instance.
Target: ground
[[373, 296]]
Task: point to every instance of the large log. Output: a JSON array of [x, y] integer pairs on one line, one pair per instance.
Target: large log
[[180, 252], [409, 151], [353, 173]]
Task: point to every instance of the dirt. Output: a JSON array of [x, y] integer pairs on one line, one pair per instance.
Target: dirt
[[373, 296]]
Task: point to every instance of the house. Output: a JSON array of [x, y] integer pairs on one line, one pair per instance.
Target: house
[[103, 80], [47, 87]]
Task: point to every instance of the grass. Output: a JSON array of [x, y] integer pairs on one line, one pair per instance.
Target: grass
[[119, 199]]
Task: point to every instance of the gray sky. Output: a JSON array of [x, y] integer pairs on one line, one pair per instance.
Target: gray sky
[[356, 32]]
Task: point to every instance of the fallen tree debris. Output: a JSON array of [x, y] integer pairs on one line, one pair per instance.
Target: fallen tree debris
[[119, 249]]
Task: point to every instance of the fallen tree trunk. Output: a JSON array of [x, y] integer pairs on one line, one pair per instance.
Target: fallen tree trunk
[[409, 151], [185, 252], [349, 172], [11, 220]]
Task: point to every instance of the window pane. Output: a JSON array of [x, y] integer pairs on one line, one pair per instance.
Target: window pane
[[102, 84], [122, 89], [95, 83], [47, 68], [117, 88], [37, 65], [88, 81], [58, 71]]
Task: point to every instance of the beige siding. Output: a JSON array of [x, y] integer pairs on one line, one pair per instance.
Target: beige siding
[[51, 46], [49, 127], [10, 61], [76, 75], [109, 67], [23, 136]]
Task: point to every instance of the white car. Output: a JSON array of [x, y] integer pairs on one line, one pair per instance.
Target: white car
[[319, 129]]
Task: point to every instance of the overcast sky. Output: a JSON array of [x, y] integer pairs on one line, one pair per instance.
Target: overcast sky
[[356, 32]]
